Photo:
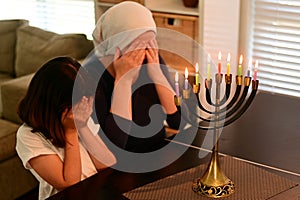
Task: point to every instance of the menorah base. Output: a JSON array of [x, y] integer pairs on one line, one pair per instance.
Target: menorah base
[[219, 191], [214, 183]]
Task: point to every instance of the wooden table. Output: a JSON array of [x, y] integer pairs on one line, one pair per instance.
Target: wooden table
[[267, 135]]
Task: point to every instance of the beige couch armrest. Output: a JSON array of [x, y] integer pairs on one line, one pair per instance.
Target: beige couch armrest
[[12, 92]]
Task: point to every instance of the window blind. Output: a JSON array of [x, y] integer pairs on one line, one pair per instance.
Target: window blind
[[60, 16], [220, 32], [276, 44]]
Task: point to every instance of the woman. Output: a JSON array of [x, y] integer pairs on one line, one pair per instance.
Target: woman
[[48, 142], [132, 80]]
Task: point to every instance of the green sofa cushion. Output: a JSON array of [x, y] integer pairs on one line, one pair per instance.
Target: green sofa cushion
[[8, 30], [35, 46], [3, 78], [15, 179], [7, 139]]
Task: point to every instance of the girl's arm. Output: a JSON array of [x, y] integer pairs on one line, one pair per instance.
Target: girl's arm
[[57, 173], [62, 174], [99, 153]]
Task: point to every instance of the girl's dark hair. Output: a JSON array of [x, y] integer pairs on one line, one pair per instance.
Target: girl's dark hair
[[50, 93]]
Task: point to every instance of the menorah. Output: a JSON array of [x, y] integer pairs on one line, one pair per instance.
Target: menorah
[[222, 112]]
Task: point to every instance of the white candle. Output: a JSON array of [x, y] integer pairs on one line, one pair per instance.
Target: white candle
[[197, 74], [240, 66], [208, 66], [219, 63], [255, 70], [176, 84], [249, 67], [228, 64], [186, 82]]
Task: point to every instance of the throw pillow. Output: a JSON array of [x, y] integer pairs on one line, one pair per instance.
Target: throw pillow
[[8, 42], [36, 46]]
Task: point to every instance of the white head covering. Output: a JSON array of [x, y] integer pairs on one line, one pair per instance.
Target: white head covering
[[120, 25]]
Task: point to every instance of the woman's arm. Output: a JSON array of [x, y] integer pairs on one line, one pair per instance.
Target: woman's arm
[[126, 69], [162, 85]]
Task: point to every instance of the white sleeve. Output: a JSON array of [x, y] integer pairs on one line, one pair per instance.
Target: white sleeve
[[30, 145]]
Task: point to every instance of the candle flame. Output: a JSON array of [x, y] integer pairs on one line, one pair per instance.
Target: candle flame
[[186, 73], [256, 64], [249, 64], [241, 59], [219, 55], [197, 68], [176, 77], [228, 57], [208, 58]]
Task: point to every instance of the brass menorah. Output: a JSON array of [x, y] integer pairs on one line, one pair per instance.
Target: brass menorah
[[223, 111]]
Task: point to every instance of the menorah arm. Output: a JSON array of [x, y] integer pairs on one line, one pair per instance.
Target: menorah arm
[[242, 110], [239, 111], [193, 110], [230, 110], [233, 100], [226, 95], [201, 106], [228, 80], [237, 105], [238, 114], [208, 96], [228, 106], [233, 109], [228, 88]]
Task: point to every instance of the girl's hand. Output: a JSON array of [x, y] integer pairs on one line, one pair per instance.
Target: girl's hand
[[82, 111], [78, 116]]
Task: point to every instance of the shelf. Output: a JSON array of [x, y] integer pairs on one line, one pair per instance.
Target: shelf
[[165, 6], [171, 6]]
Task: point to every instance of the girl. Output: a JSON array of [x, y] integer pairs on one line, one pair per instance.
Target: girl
[[48, 142]]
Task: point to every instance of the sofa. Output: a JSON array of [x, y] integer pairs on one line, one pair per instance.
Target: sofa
[[23, 49]]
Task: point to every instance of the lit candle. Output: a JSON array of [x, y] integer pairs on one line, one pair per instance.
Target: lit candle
[[249, 67], [240, 66], [197, 74], [186, 82], [228, 64], [255, 70], [219, 63], [176, 84], [208, 66]]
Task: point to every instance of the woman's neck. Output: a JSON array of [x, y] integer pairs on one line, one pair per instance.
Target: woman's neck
[[107, 62]]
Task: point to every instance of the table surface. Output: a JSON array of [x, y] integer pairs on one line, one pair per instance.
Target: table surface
[[267, 135]]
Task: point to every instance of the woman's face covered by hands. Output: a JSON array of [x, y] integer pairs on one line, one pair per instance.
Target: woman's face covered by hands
[[132, 56]]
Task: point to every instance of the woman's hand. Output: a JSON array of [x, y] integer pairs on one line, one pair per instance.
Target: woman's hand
[[132, 59], [153, 65], [152, 52], [163, 88]]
